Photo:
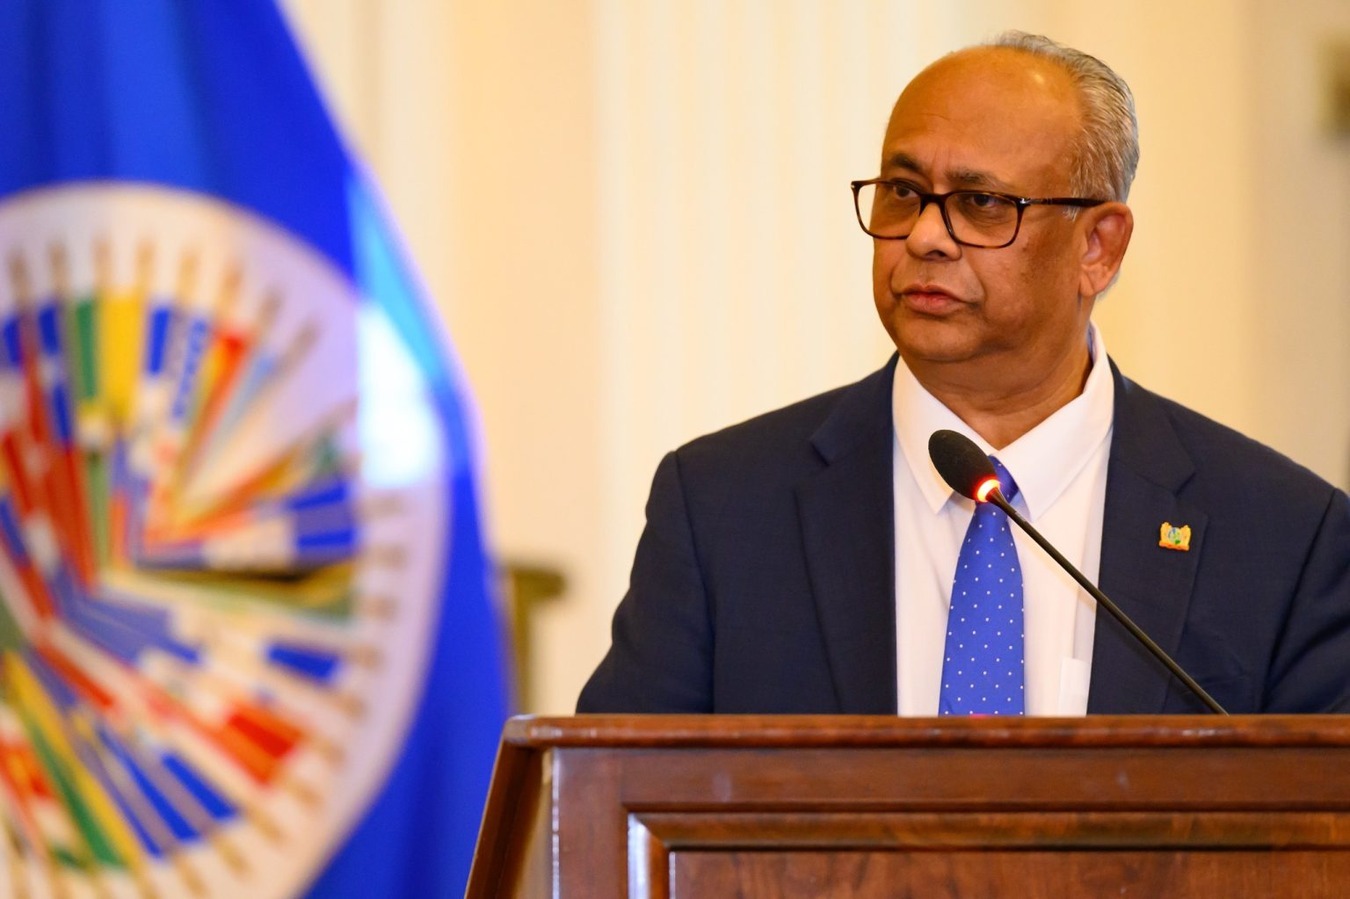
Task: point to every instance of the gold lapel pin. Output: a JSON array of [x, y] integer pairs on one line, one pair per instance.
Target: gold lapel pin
[[1176, 537]]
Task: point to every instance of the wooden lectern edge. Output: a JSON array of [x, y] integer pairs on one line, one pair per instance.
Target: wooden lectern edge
[[1275, 813], [761, 731]]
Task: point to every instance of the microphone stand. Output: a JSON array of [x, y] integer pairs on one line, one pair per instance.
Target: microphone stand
[[996, 497]]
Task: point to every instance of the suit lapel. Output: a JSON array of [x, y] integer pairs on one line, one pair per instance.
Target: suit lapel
[[846, 512], [1148, 466]]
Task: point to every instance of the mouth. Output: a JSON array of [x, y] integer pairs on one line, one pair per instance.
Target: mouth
[[929, 299]]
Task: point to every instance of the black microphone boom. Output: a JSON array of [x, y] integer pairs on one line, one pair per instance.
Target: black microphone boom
[[964, 466]]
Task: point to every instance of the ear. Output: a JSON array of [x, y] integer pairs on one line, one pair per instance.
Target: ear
[[1107, 234]]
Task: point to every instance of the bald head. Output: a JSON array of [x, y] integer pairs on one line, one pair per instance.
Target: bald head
[[1035, 80], [1104, 150], [988, 118]]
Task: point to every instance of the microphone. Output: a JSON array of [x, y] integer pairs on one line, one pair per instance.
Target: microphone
[[968, 471]]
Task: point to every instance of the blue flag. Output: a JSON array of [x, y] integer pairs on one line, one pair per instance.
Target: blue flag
[[247, 636]]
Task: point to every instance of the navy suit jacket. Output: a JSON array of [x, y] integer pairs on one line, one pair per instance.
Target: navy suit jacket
[[764, 580]]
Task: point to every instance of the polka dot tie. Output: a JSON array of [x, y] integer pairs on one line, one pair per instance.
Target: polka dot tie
[[983, 672]]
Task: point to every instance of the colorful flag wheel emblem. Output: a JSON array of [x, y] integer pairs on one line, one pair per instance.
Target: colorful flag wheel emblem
[[222, 524]]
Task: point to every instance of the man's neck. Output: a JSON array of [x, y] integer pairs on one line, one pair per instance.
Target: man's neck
[[1001, 409]]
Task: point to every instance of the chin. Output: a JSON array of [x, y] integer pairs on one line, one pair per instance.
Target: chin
[[932, 342], [918, 357]]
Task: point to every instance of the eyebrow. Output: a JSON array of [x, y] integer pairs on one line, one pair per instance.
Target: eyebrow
[[962, 177]]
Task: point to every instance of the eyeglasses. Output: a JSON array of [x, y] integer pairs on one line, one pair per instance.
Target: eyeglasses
[[889, 210]]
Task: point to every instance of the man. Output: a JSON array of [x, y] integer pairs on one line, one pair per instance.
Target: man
[[807, 560]]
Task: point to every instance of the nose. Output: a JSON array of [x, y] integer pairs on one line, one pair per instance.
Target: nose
[[930, 235]]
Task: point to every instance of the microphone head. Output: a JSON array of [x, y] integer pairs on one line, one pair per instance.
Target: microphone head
[[962, 464]]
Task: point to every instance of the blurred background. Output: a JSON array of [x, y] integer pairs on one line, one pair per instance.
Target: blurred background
[[634, 216]]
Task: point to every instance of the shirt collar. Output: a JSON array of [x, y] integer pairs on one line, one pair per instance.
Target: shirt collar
[[1043, 461]]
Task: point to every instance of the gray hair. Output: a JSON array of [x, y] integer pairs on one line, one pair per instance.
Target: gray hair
[[1108, 148]]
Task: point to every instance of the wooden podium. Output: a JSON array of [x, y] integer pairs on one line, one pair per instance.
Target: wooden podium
[[879, 806]]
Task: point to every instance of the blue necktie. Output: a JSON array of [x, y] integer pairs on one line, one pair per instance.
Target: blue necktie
[[983, 671]]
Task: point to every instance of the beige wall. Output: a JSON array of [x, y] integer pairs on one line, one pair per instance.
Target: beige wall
[[635, 219]]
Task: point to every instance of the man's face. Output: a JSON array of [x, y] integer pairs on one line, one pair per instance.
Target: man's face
[[1000, 120]]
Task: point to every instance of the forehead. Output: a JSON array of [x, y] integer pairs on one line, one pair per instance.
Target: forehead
[[988, 116]]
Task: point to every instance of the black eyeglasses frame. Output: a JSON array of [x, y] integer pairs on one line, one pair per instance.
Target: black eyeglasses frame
[[941, 200]]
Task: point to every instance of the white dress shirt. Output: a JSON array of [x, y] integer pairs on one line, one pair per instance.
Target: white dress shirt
[[1060, 470]]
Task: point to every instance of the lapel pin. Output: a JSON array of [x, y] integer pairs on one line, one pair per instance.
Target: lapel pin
[[1176, 537]]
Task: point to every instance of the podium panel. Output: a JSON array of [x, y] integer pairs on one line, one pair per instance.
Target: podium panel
[[751, 806], [1034, 875]]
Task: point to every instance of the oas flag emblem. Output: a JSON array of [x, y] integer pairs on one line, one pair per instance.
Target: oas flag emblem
[[221, 532]]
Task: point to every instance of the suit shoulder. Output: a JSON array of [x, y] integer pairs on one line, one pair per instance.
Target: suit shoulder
[[796, 434], [1227, 458], [798, 420]]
